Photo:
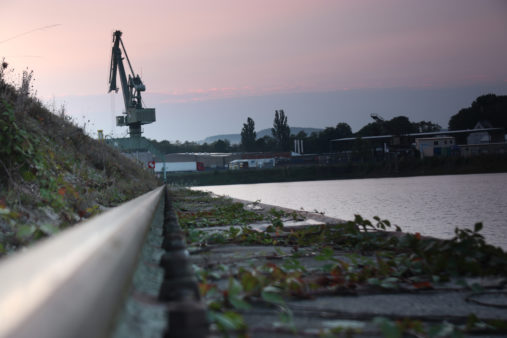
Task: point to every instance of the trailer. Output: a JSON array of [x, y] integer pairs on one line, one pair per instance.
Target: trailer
[[161, 167]]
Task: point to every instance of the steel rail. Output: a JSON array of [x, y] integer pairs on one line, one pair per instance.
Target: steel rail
[[72, 284]]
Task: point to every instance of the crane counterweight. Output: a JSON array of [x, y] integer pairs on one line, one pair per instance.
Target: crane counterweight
[[135, 114]]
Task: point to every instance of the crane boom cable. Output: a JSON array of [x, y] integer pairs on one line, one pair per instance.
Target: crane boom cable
[[126, 56], [30, 31]]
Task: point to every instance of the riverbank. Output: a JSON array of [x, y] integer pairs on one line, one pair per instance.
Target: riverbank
[[270, 272], [431, 205], [401, 168]]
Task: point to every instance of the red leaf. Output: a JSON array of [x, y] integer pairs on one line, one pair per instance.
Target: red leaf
[[422, 285], [62, 191], [271, 265], [322, 281], [204, 288]]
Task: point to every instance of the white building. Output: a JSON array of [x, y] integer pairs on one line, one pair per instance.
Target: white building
[[481, 137], [435, 146]]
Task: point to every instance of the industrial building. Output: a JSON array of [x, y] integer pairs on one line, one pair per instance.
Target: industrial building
[[466, 142]]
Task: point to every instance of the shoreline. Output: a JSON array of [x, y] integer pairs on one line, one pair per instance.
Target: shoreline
[[448, 201], [487, 164]]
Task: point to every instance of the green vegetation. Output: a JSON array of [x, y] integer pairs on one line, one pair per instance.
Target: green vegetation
[[398, 125], [51, 174], [350, 258], [248, 135], [281, 131], [166, 147]]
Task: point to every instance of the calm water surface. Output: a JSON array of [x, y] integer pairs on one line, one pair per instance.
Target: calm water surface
[[431, 205]]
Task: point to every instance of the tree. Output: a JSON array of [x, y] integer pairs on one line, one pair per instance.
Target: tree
[[400, 125], [265, 144], [248, 135], [221, 146], [491, 108], [281, 131], [372, 129], [301, 135], [343, 130]]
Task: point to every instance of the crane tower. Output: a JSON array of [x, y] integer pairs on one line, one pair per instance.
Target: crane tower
[[135, 114]]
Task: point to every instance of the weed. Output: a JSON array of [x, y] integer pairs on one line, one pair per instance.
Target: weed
[[375, 259]]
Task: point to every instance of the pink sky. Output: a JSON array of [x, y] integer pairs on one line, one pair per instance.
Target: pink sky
[[200, 50]]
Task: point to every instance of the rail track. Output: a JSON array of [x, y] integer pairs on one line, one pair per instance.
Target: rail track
[[77, 283], [127, 273]]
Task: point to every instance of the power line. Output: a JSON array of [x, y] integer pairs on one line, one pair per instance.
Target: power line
[[30, 31]]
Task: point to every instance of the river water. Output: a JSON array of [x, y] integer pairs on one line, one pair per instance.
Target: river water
[[431, 205]]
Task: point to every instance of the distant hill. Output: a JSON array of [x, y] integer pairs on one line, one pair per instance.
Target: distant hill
[[236, 138]]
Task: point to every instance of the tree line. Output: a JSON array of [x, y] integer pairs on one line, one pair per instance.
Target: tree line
[[491, 108]]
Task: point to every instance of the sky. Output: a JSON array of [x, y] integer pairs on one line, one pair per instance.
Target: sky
[[208, 65]]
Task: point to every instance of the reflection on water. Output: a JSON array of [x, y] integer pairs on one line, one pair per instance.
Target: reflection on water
[[431, 205]]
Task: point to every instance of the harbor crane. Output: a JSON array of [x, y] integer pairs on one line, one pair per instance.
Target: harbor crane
[[135, 114]]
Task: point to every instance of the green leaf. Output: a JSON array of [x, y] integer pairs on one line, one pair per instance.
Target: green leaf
[[325, 254], [441, 330], [389, 283], [272, 295], [214, 306], [239, 303], [25, 231], [478, 227], [28, 175], [228, 321], [49, 229], [388, 328], [279, 252], [249, 282], [235, 287], [328, 267]]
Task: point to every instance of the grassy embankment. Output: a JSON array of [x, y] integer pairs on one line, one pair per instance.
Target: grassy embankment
[[413, 167], [52, 175]]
